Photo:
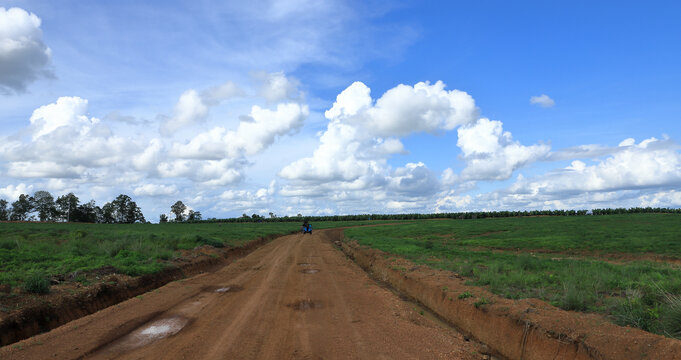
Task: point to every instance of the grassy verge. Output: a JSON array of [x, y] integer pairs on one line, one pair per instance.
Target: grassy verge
[[643, 294], [30, 251]]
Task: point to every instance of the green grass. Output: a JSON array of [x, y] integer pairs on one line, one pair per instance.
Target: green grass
[[638, 293], [134, 249]]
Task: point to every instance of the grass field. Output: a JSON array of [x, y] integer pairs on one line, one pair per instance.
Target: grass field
[[30, 252], [505, 255]]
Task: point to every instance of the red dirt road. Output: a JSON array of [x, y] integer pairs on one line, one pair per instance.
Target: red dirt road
[[294, 298]]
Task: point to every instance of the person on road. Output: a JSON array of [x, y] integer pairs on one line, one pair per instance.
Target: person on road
[[307, 228]]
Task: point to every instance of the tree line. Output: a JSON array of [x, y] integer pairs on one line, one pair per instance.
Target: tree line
[[453, 215], [67, 208]]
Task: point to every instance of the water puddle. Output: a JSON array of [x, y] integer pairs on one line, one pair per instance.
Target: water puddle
[[148, 334], [303, 305], [222, 289], [310, 271], [304, 264]]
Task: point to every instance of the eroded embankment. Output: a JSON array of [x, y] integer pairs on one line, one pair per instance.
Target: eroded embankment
[[27, 322], [517, 329]]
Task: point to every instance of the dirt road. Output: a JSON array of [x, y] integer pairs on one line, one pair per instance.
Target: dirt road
[[294, 298]]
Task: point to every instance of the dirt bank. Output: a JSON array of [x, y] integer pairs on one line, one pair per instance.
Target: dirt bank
[[67, 302], [517, 329], [293, 298]]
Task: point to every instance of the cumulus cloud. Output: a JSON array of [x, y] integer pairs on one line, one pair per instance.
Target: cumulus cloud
[[23, 55], [361, 135], [276, 87], [189, 110], [631, 176], [12, 192], [490, 152], [542, 100], [155, 190], [414, 179], [254, 133], [64, 142]]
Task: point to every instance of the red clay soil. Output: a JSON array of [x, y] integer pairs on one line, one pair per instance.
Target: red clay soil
[[23, 315], [517, 329], [296, 297]]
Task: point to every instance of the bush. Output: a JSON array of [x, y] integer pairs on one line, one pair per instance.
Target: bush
[[37, 283]]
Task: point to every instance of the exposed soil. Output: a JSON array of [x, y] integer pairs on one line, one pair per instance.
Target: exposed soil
[[261, 306], [81, 293], [517, 329]]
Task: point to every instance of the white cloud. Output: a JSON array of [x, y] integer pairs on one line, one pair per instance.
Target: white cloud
[[254, 133], [277, 87], [11, 192], [189, 110], [542, 100], [490, 152], [23, 55], [64, 142], [361, 136], [414, 179], [43, 169], [216, 94], [66, 112], [629, 177], [155, 190]]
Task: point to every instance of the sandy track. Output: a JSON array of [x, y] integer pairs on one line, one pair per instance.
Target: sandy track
[[294, 298]]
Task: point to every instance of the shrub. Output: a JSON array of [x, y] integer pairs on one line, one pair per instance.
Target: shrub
[[37, 283], [465, 295]]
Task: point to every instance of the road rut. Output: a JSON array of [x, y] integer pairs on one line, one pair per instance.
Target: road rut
[[296, 297]]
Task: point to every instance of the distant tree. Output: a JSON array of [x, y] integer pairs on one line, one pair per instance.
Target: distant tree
[[86, 213], [4, 211], [43, 203], [178, 209], [194, 215], [126, 211], [67, 205], [272, 215], [299, 215], [108, 215], [245, 216], [22, 208], [163, 219]]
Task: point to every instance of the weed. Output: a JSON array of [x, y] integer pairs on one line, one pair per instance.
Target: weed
[[465, 295], [481, 302], [37, 283]]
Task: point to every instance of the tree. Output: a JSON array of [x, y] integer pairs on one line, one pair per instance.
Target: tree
[[194, 215], [178, 209], [4, 211], [163, 219], [67, 205], [272, 215], [126, 211], [21, 208], [86, 213], [108, 215], [43, 203]]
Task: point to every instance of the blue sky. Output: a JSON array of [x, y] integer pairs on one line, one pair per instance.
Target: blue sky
[[342, 107]]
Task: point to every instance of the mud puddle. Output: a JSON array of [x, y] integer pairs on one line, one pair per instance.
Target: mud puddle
[[147, 334], [309, 271], [304, 264], [222, 289], [306, 304]]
